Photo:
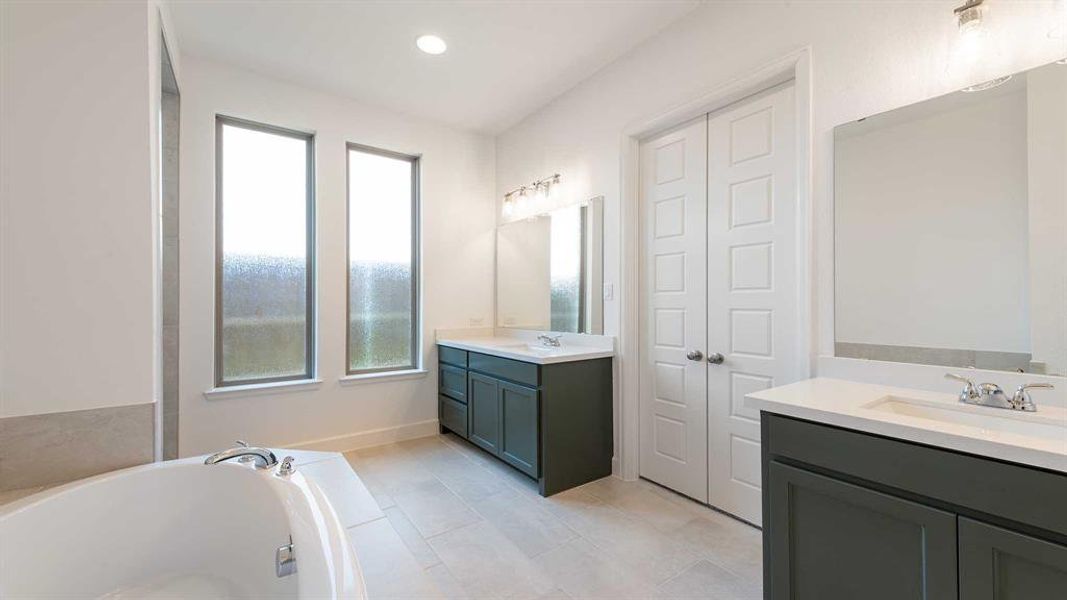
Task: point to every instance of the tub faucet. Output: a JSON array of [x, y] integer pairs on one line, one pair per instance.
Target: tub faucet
[[263, 458]]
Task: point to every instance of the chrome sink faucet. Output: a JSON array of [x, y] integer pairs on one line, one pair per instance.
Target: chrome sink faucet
[[990, 394], [263, 458], [550, 340]]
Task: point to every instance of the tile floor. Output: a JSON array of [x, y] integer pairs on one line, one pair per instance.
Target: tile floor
[[457, 523]]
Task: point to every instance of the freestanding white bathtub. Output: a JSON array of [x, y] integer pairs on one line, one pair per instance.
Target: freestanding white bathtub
[[178, 529]]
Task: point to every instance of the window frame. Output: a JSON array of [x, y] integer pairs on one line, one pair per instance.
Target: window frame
[[416, 262], [310, 330]]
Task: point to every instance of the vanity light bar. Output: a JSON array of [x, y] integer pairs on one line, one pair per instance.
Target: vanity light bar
[[534, 187], [969, 16]]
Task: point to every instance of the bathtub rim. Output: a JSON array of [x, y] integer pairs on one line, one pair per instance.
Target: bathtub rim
[[345, 574]]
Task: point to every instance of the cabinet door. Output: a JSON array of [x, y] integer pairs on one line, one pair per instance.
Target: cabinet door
[[831, 539], [520, 418], [999, 564], [483, 412]]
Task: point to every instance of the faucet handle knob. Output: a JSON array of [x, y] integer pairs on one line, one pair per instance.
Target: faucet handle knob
[[286, 468], [1022, 400], [970, 392]]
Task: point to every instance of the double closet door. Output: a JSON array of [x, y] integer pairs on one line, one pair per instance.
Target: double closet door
[[719, 295]]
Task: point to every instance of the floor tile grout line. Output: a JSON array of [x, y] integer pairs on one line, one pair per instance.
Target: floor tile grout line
[[374, 520], [697, 505], [408, 516], [481, 516], [417, 532], [424, 568], [466, 504], [454, 492]]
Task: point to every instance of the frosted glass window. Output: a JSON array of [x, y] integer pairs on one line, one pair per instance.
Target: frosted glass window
[[382, 260], [265, 253]]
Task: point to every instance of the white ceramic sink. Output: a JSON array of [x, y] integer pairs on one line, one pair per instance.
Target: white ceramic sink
[[988, 419]]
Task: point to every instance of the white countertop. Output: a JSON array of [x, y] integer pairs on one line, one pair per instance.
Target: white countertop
[[523, 345], [849, 404]]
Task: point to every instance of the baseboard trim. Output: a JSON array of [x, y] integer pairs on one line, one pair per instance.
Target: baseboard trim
[[368, 439]]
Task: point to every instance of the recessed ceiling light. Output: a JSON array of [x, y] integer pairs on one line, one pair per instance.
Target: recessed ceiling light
[[431, 44]]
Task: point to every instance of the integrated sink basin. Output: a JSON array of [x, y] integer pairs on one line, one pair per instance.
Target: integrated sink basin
[[1033, 425], [536, 348]]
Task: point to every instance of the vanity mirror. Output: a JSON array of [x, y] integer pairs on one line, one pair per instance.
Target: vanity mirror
[[951, 229], [549, 270]]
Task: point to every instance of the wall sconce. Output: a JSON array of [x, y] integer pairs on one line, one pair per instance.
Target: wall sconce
[[516, 199]]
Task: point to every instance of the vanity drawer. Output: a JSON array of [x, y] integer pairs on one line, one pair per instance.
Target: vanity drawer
[[453, 415], [452, 382], [505, 368], [452, 356]]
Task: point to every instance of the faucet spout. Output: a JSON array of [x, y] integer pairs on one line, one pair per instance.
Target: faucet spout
[[263, 458], [550, 340]]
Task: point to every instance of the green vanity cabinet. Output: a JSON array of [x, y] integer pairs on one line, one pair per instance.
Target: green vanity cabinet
[[552, 422], [851, 515]]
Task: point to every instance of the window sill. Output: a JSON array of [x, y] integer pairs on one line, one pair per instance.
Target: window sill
[[256, 389], [382, 377]]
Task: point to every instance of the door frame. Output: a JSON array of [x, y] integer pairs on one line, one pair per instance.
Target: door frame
[[795, 67]]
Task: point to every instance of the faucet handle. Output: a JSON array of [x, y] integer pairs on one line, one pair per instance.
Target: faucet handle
[[1022, 400], [970, 392], [286, 468], [241, 443]]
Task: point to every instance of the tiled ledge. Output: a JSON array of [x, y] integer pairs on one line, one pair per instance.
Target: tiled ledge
[[54, 448]]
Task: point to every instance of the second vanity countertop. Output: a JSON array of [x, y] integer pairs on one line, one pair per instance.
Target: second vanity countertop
[[524, 345], [1026, 438]]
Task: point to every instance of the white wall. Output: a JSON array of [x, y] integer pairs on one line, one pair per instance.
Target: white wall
[[458, 221], [867, 57], [1047, 136], [77, 296], [948, 180]]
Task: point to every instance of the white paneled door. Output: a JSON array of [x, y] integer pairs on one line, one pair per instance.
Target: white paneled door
[[745, 232], [674, 408], [752, 288]]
